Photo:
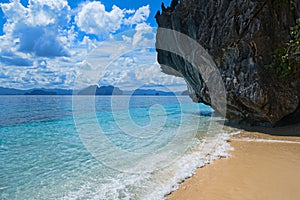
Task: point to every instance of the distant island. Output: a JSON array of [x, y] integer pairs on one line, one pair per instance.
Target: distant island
[[40, 92], [90, 90], [103, 90], [151, 92], [35, 91]]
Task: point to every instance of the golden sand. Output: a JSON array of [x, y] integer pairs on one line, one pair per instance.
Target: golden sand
[[262, 167]]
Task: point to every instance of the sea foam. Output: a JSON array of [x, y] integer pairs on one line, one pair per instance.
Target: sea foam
[[185, 167], [157, 184]]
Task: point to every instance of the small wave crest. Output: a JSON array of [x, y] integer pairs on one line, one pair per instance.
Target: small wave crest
[[157, 184]]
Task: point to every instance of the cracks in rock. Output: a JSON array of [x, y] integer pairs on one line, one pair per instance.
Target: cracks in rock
[[250, 20], [240, 36]]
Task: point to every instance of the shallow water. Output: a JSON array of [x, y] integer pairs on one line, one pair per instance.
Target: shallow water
[[118, 148]]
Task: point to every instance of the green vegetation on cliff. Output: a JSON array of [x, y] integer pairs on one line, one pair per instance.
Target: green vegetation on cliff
[[287, 59]]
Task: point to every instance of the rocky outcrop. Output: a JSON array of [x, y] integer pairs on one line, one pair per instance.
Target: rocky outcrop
[[240, 36]]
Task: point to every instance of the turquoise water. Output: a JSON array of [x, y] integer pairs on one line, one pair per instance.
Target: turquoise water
[[112, 150]]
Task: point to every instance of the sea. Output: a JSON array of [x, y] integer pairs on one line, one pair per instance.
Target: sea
[[104, 147]]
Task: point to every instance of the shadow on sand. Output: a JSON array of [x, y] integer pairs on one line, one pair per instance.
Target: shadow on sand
[[288, 130]]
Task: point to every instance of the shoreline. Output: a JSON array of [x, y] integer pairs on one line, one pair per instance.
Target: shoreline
[[261, 166]]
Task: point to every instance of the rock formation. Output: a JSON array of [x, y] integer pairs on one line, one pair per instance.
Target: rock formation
[[241, 37]]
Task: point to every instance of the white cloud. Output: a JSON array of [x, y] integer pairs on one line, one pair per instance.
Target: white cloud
[[126, 38], [144, 36], [130, 11], [42, 48], [94, 19], [137, 69], [15, 60], [36, 39], [127, 60], [140, 16], [38, 28], [42, 13]]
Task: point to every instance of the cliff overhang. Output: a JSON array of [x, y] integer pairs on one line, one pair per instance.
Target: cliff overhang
[[241, 37]]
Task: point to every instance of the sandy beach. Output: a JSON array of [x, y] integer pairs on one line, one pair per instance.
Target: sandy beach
[[263, 166]]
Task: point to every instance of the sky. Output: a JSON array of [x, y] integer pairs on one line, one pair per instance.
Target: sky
[[73, 44]]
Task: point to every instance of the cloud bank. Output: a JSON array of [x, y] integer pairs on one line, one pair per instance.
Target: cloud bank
[[46, 44]]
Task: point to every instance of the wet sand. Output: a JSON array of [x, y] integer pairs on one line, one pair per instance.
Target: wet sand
[[261, 167]]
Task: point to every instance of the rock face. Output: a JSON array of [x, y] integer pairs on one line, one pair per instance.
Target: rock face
[[240, 36]]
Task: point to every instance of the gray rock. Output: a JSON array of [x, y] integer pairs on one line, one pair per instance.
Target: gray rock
[[240, 36]]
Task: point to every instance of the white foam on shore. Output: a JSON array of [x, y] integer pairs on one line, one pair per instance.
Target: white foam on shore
[[156, 185], [266, 141], [187, 165], [235, 133], [170, 178]]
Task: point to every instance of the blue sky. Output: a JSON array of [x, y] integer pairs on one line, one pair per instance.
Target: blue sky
[[73, 44], [123, 4]]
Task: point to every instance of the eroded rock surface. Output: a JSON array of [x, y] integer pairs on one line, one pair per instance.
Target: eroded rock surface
[[240, 36]]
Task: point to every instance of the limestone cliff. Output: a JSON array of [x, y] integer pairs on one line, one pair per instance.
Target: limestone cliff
[[241, 37]]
